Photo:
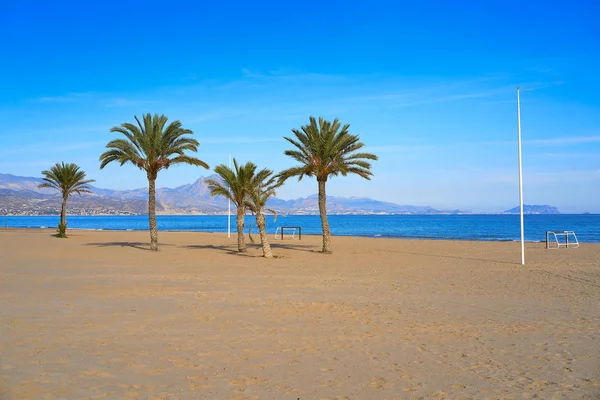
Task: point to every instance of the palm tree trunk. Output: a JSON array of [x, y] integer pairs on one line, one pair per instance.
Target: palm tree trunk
[[240, 228], [152, 213], [323, 212], [266, 247], [63, 214]]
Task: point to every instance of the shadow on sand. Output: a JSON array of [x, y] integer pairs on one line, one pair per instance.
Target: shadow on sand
[[232, 249], [299, 247], [135, 245], [226, 249], [458, 257]]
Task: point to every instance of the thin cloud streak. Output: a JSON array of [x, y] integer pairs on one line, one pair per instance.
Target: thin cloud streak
[[546, 142], [124, 102], [565, 140], [67, 98], [570, 155], [397, 148], [50, 148], [449, 98], [240, 140]]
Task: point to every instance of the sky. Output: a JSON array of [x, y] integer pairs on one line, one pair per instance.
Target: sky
[[429, 86]]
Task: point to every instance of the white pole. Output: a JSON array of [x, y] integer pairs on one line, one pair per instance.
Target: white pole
[[229, 210], [520, 177]]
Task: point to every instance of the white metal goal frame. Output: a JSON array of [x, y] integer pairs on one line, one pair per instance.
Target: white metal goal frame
[[296, 232], [573, 244]]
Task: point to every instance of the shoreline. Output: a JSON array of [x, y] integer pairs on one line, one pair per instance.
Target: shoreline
[[302, 215], [234, 234]]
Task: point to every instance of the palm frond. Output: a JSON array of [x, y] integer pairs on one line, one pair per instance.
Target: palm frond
[[261, 188], [67, 178], [183, 159], [323, 148], [235, 182], [151, 145], [299, 171]]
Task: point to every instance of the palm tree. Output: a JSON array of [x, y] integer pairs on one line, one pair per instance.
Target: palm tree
[[262, 187], [326, 149], [68, 179], [234, 186], [151, 147]]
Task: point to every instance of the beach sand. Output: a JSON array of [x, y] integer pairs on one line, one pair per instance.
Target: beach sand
[[98, 316]]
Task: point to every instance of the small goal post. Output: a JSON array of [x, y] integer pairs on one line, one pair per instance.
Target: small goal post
[[553, 242], [289, 232]]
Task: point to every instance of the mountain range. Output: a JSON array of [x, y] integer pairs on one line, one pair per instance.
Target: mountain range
[[21, 196], [533, 209]]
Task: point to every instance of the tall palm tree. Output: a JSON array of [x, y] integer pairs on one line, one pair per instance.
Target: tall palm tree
[[234, 186], [262, 187], [68, 179], [151, 146], [326, 149]]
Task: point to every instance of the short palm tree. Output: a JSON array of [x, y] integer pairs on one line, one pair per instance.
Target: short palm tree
[[152, 145], [326, 149], [262, 187], [68, 179], [234, 186]]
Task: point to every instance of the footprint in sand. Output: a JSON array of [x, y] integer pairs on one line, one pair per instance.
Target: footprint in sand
[[561, 396], [328, 383], [377, 383], [246, 381], [95, 372]]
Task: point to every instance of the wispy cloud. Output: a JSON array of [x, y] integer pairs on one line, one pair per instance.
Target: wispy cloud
[[572, 155], [251, 74], [564, 140], [561, 176], [44, 147], [288, 74], [241, 140], [443, 98], [67, 98], [23, 164], [544, 142], [59, 131], [396, 148], [123, 102], [102, 99]]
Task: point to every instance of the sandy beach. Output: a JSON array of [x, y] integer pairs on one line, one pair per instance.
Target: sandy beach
[[98, 316]]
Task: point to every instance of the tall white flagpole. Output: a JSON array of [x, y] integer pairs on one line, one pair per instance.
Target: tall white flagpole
[[520, 177], [229, 210]]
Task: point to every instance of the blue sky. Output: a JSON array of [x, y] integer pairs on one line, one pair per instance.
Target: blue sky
[[428, 86]]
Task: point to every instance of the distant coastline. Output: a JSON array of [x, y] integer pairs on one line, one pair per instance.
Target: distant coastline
[[20, 196]]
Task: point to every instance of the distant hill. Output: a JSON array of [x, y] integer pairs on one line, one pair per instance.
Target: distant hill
[[533, 209], [20, 195], [348, 205], [13, 182]]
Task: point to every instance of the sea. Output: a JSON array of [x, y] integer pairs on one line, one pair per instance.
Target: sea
[[486, 227]]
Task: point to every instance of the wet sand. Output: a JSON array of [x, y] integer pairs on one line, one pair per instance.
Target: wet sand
[[98, 316]]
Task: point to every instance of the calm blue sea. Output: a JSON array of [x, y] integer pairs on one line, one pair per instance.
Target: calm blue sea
[[463, 227]]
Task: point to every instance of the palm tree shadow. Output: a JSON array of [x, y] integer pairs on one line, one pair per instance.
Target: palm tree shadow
[[231, 249], [299, 247], [135, 245], [226, 249]]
